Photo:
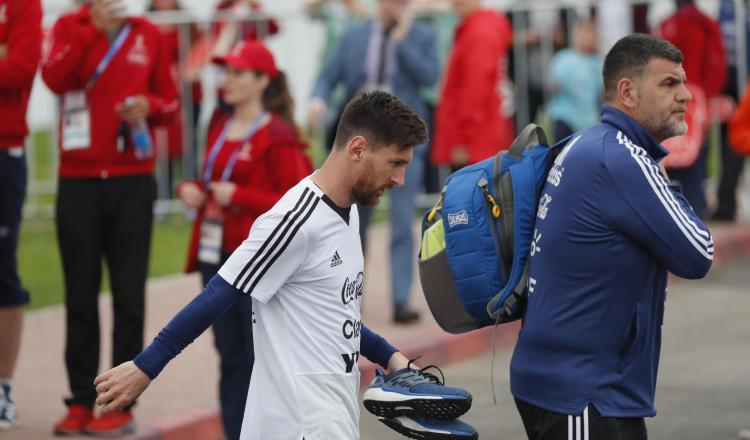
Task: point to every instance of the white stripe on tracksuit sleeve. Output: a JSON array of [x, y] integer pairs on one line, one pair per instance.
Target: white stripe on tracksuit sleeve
[[654, 213]]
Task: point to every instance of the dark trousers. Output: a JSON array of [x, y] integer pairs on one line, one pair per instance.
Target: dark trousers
[[233, 339], [691, 181], [12, 192], [110, 219], [732, 164], [541, 424]]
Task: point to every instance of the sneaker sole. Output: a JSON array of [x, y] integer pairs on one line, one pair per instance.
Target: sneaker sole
[[65, 432], [6, 425], [127, 428], [424, 434], [439, 408]]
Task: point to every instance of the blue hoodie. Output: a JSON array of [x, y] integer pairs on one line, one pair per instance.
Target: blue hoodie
[[609, 227]]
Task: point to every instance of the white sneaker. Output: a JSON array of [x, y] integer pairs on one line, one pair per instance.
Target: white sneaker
[[8, 416]]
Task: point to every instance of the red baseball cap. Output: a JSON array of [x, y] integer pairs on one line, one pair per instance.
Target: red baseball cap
[[250, 55]]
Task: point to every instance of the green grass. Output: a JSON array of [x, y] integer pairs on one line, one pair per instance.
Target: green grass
[[41, 270]]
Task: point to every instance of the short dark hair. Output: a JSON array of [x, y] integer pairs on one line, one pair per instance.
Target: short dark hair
[[629, 57], [381, 119]]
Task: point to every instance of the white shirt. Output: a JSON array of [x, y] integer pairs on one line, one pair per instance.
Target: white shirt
[[303, 267]]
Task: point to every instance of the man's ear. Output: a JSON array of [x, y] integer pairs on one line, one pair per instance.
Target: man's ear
[[356, 147], [627, 93]]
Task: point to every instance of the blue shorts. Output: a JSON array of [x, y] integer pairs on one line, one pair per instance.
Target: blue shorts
[[12, 192]]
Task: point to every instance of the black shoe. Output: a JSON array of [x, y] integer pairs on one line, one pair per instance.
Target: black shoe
[[405, 315]]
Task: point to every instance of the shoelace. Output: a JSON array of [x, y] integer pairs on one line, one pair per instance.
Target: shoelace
[[423, 373]]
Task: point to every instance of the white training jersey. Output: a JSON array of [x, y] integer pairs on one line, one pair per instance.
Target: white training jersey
[[302, 264]]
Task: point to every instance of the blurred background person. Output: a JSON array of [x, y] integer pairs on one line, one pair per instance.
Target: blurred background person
[[253, 157], [473, 119], [390, 52], [732, 163], [537, 34], [171, 136], [739, 140], [576, 83], [20, 50], [699, 39], [257, 29], [112, 74], [333, 15], [739, 126]]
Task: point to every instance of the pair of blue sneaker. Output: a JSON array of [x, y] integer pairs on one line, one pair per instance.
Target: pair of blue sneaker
[[417, 404]]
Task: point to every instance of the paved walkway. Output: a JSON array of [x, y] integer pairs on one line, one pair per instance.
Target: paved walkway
[[181, 403], [702, 393]]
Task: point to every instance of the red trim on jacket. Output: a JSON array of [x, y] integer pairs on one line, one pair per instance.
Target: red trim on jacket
[[272, 162], [141, 67], [21, 32], [470, 110]]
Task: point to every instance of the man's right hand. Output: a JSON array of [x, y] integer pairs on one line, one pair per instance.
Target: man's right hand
[[3, 51], [315, 112], [191, 195], [120, 386]]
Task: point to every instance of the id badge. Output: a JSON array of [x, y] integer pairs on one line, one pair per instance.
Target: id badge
[[76, 121], [212, 231]]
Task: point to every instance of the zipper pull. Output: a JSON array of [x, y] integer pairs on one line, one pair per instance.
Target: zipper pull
[[482, 184], [438, 204]]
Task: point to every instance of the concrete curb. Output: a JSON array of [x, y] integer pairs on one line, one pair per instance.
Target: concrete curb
[[731, 242]]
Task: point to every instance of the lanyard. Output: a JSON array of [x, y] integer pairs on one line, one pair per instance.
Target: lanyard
[[208, 172], [111, 52]]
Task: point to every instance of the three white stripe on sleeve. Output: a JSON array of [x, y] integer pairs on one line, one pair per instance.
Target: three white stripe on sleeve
[[699, 238]]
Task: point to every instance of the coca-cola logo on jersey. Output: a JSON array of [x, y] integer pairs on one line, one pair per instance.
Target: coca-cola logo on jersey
[[352, 289]]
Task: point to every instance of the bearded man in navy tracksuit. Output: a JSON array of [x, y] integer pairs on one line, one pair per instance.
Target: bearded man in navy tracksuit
[[609, 227]]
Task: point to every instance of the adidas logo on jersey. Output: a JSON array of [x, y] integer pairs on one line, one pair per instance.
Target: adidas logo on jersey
[[336, 260]]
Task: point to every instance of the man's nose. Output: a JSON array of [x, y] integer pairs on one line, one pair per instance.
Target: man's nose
[[399, 178], [684, 95]]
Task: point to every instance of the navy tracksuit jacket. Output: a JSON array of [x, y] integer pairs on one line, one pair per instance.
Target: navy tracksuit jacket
[[609, 227]]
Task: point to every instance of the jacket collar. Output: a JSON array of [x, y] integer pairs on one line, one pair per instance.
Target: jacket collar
[[633, 131]]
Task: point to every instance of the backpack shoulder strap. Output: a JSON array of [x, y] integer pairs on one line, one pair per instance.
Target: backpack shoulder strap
[[522, 141]]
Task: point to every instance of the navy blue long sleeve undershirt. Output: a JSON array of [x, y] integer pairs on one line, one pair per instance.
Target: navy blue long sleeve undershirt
[[204, 309]]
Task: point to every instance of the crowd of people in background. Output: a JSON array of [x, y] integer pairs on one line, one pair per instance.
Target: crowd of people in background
[[118, 75]]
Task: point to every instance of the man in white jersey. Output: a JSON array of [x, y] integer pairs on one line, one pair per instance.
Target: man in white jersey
[[302, 265]]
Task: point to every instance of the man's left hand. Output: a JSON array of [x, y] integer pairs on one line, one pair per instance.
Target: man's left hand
[[223, 192], [3, 51]]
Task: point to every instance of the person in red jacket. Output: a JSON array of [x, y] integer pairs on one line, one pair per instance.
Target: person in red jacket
[[253, 156], [699, 38], [739, 125], [20, 50], [112, 74], [473, 120]]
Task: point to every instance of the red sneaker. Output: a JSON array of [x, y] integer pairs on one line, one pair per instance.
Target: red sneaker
[[75, 420], [111, 424]]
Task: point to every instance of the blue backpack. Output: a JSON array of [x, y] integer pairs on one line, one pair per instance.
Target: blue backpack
[[476, 240]]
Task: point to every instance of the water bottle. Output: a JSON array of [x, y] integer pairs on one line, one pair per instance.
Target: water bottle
[[140, 136]]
